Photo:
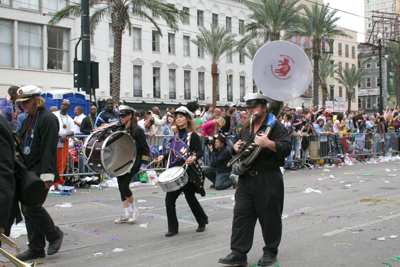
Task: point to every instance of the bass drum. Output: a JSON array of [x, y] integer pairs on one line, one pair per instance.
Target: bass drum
[[109, 152], [173, 179]]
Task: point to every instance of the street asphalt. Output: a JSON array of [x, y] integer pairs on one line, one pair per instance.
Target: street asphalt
[[342, 225]]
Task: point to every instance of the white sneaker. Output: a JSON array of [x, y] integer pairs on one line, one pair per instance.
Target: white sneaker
[[122, 219], [133, 216]]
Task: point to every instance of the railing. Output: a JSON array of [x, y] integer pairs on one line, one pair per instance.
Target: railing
[[306, 150], [187, 95], [137, 93], [201, 96], [230, 97], [172, 95]]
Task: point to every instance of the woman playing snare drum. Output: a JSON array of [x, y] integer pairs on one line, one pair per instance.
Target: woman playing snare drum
[[186, 149], [129, 124]]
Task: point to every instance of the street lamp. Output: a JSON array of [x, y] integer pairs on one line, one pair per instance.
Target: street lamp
[[380, 46]]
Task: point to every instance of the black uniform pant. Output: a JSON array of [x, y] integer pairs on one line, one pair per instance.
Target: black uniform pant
[[40, 226], [123, 185], [258, 197], [170, 201]]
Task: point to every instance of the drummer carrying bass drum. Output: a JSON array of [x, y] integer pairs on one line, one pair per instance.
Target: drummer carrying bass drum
[[129, 125], [186, 149]]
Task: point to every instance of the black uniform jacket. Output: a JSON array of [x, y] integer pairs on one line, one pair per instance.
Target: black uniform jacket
[[43, 156], [142, 149], [193, 172], [7, 181], [267, 159], [86, 126]]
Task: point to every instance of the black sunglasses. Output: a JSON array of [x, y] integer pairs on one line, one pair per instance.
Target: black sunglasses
[[123, 115]]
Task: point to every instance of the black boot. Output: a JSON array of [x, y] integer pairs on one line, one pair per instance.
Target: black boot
[[267, 260], [232, 259]]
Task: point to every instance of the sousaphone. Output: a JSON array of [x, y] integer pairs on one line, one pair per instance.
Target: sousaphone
[[282, 71]]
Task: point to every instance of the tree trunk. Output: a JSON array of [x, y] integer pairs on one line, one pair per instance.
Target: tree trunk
[[349, 95], [316, 56], [398, 85], [324, 93], [118, 28], [214, 73]]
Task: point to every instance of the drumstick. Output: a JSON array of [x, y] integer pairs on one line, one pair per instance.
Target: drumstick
[[148, 165], [179, 169]]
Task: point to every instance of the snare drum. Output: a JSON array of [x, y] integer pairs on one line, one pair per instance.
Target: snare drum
[[173, 179], [109, 152]]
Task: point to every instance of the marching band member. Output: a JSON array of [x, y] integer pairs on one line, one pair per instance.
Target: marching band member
[[259, 194], [186, 149], [129, 124]]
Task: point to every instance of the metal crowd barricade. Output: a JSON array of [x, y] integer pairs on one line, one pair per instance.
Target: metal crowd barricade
[[326, 147]]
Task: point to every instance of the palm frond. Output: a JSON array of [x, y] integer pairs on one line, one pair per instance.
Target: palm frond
[[73, 10]]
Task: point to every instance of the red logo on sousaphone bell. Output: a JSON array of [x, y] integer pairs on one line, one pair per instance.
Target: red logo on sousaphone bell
[[285, 67], [282, 70]]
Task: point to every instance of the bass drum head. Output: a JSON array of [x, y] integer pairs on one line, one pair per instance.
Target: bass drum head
[[168, 174], [90, 153], [118, 153], [281, 70]]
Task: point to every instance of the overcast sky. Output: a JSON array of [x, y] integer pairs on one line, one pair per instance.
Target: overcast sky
[[348, 21]]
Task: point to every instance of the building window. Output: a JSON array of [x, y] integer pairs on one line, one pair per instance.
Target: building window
[[229, 56], [340, 67], [56, 5], [57, 49], [229, 90], [201, 86], [137, 81], [6, 29], [241, 26], [369, 102], [378, 82], [111, 74], [186, 18], [186, 45], [200, 51], [353, 65], [110, 35], [135, 9], [331, 65], [242, 87], [172, 84], [156, 83], [137, 38], [347, 65], [255, 88], [229, 24], [29, 4], [368, 65], [5, 2], [241, 57], [368, 84], [340, 91], [331, 92], [155, 38], [29, 46], [171, 43], [200, 18], [360, 106], [378, 101], [353, 96], [346, 50], [353, 52], [339, 49], [186, 84], [215, 20]]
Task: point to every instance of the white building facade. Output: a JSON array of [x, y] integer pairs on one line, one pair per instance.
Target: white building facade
[[170, 68]]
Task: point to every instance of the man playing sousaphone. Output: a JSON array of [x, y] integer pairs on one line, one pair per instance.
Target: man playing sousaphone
[[185, 150], [129, 124], [259, 194]]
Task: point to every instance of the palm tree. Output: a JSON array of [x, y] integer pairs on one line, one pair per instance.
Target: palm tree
[[270, 18], [350, 78], [394, 56], [251, 48], [216, 42], [326, 69], [120, 13], [319, 23]]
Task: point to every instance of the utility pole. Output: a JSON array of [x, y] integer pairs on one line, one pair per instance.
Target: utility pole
[[85, 35], [380, 78]]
